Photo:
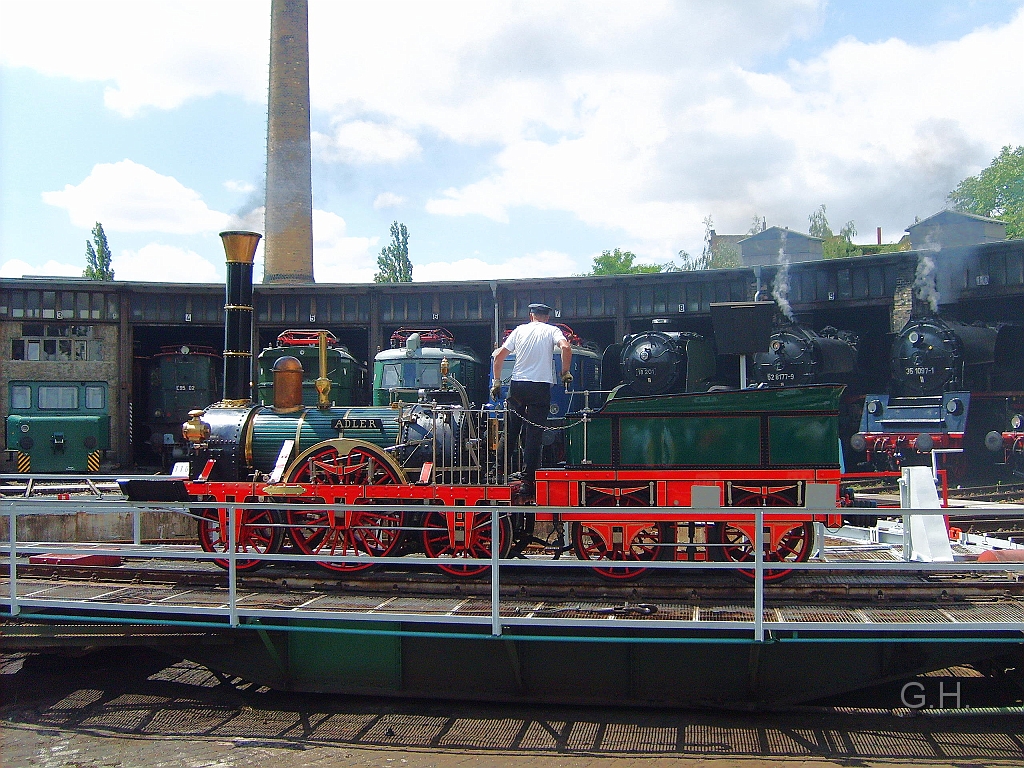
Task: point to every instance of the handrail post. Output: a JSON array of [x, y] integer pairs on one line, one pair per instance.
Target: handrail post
[[759, 574], [232, 569], [495, 583], [12, 516], [136, 525]]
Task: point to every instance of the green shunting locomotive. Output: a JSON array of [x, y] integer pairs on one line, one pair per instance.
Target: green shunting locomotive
[[58, 426]]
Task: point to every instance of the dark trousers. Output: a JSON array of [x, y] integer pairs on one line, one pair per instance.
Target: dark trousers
[[528, 401]]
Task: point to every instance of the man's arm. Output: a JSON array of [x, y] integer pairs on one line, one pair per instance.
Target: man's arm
[[566, 348], [498, 360]]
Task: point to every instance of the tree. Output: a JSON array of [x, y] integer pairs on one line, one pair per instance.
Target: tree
[[817, 224], [834, 246], [997, 192], [716, 254], [757, 225], [620, 262], [393, 263], [97, 259]]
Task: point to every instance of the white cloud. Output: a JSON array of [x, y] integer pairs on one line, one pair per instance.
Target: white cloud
[[128, 197], [19, 268], [636, 118], [361, 142], [387, 200], [338, 258], [239, 186], [162, 263], [159, 53], [542, 264]]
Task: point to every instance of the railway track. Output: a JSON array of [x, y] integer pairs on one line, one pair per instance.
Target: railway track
[[533, 583]]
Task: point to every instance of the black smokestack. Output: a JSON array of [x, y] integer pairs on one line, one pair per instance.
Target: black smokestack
[[240, 248]]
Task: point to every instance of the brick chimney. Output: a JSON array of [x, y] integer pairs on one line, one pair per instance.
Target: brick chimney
[[289, 213]]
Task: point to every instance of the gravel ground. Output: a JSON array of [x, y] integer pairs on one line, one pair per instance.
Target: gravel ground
[[134, 707]]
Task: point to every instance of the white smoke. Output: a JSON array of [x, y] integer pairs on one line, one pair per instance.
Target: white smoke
[[780, 285], [925, 288]]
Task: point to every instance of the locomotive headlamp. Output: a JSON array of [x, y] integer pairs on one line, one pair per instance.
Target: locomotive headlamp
[[1017, 421], [24, 427], [914, 337], [955, 406], [195, 430], [777, 347], [874, 407]]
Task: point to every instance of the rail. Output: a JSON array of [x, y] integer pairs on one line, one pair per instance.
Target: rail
[[502, 613]]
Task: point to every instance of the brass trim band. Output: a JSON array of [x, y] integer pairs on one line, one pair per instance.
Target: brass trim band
[[236, 354], [240, 307]]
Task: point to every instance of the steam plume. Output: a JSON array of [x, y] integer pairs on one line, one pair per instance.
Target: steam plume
[[780, 285]]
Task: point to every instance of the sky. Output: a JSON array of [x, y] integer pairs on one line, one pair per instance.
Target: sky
[[513, 139]]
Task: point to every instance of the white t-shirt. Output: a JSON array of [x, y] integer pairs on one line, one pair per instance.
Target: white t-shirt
[[534, 344]]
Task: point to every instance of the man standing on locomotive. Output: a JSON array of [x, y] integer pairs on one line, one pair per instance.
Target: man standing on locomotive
[[533, 375]]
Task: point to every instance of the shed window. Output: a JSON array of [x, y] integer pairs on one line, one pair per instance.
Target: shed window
[[21, 397], [94, 397], [58, 398]]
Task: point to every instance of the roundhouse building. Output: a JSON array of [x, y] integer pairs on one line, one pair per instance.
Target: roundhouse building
[[56, 329]]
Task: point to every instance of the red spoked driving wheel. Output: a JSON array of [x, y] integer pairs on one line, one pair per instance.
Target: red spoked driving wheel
[[453, 536], [794, 546], [257, 532], [342, 533], [625, 543]]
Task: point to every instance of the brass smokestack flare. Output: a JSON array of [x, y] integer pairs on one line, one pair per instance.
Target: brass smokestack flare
[[239, 249]]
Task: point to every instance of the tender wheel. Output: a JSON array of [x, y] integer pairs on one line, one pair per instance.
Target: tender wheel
[[623, 543], [354, 532], [464, 539], [259, 533], [794, 547]]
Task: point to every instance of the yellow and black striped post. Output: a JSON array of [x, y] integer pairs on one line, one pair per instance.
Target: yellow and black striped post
[[24, 462]]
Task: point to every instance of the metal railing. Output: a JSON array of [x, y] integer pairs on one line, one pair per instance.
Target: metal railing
[[607, 621]]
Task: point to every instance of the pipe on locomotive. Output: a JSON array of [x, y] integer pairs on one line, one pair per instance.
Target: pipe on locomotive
[[240, 249]]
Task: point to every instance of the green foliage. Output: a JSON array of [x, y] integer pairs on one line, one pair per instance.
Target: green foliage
[[817, 224], [997, 192], [716, 255], [97, 259], [835, 246], [757, 225], [393, 264], [620, 262]]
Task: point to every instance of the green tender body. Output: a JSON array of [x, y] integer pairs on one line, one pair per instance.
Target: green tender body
[[311, 426], [342, 370], [753, 428]]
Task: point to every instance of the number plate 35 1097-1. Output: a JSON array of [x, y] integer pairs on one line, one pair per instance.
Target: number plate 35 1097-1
[[341, 424]]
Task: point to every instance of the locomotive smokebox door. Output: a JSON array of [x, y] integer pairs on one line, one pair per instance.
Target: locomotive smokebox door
[[742, 328]]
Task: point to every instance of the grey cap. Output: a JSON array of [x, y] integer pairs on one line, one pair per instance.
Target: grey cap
[[540, 309]]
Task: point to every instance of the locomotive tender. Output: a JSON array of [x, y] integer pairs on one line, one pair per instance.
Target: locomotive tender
[[767, 448]]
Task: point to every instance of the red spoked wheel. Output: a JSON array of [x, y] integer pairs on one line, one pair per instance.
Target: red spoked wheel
[[257, 532], [339, 534], [623, 542], [344, 462], [451, 536], [373, 533], [794, 546]]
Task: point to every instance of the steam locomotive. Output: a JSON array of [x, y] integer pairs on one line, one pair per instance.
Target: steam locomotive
[[800, 355], [951, 385], [392, 465], [659, 362]]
